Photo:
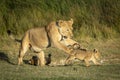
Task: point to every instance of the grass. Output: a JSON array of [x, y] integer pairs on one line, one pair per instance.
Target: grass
[[99, 17], [109, 70], [14, 72]]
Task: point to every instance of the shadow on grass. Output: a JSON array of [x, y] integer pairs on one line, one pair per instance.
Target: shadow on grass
[[4, 57]]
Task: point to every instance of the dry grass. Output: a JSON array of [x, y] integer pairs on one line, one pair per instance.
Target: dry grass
[[109, 70]]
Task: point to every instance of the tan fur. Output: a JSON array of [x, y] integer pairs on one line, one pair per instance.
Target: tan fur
[[38, 39], [85, 55]]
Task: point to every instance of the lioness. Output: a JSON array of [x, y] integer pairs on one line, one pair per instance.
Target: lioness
[[85, 55], [38, 39]]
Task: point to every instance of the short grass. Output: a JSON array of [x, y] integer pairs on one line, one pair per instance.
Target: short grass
[[75, 72], [109, 70]]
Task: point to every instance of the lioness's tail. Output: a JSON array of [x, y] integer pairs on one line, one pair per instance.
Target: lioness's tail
[[12, 37]]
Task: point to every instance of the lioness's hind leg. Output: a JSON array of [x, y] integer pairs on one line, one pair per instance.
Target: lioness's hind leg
[[22, 52], [41, 57]]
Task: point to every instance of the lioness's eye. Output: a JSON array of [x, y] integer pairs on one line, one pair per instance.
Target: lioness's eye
[[67, 29]]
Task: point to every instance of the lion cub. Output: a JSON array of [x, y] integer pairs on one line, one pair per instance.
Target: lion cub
[[35, 60], [85, 55]]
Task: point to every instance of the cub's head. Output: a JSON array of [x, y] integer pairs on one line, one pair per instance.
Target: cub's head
[[33, 61], [65, 28], [97, 54]]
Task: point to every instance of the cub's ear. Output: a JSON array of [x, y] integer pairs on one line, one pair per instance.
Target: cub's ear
[[70, 22], [49, 55], [95, 50]]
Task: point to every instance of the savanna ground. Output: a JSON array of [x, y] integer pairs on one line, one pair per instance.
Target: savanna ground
[[109, 70]]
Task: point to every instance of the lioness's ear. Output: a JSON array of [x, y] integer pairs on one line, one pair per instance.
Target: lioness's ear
[[70, 22], [59, 23]]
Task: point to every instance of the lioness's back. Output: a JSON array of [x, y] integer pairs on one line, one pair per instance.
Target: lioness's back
[[38, 37]]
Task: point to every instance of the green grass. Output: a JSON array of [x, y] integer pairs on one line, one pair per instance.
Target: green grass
[[109, 70], [100, 18], [14, 72]]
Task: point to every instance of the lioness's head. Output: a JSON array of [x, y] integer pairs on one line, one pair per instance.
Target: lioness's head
[[97, 54], [65, 28]]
